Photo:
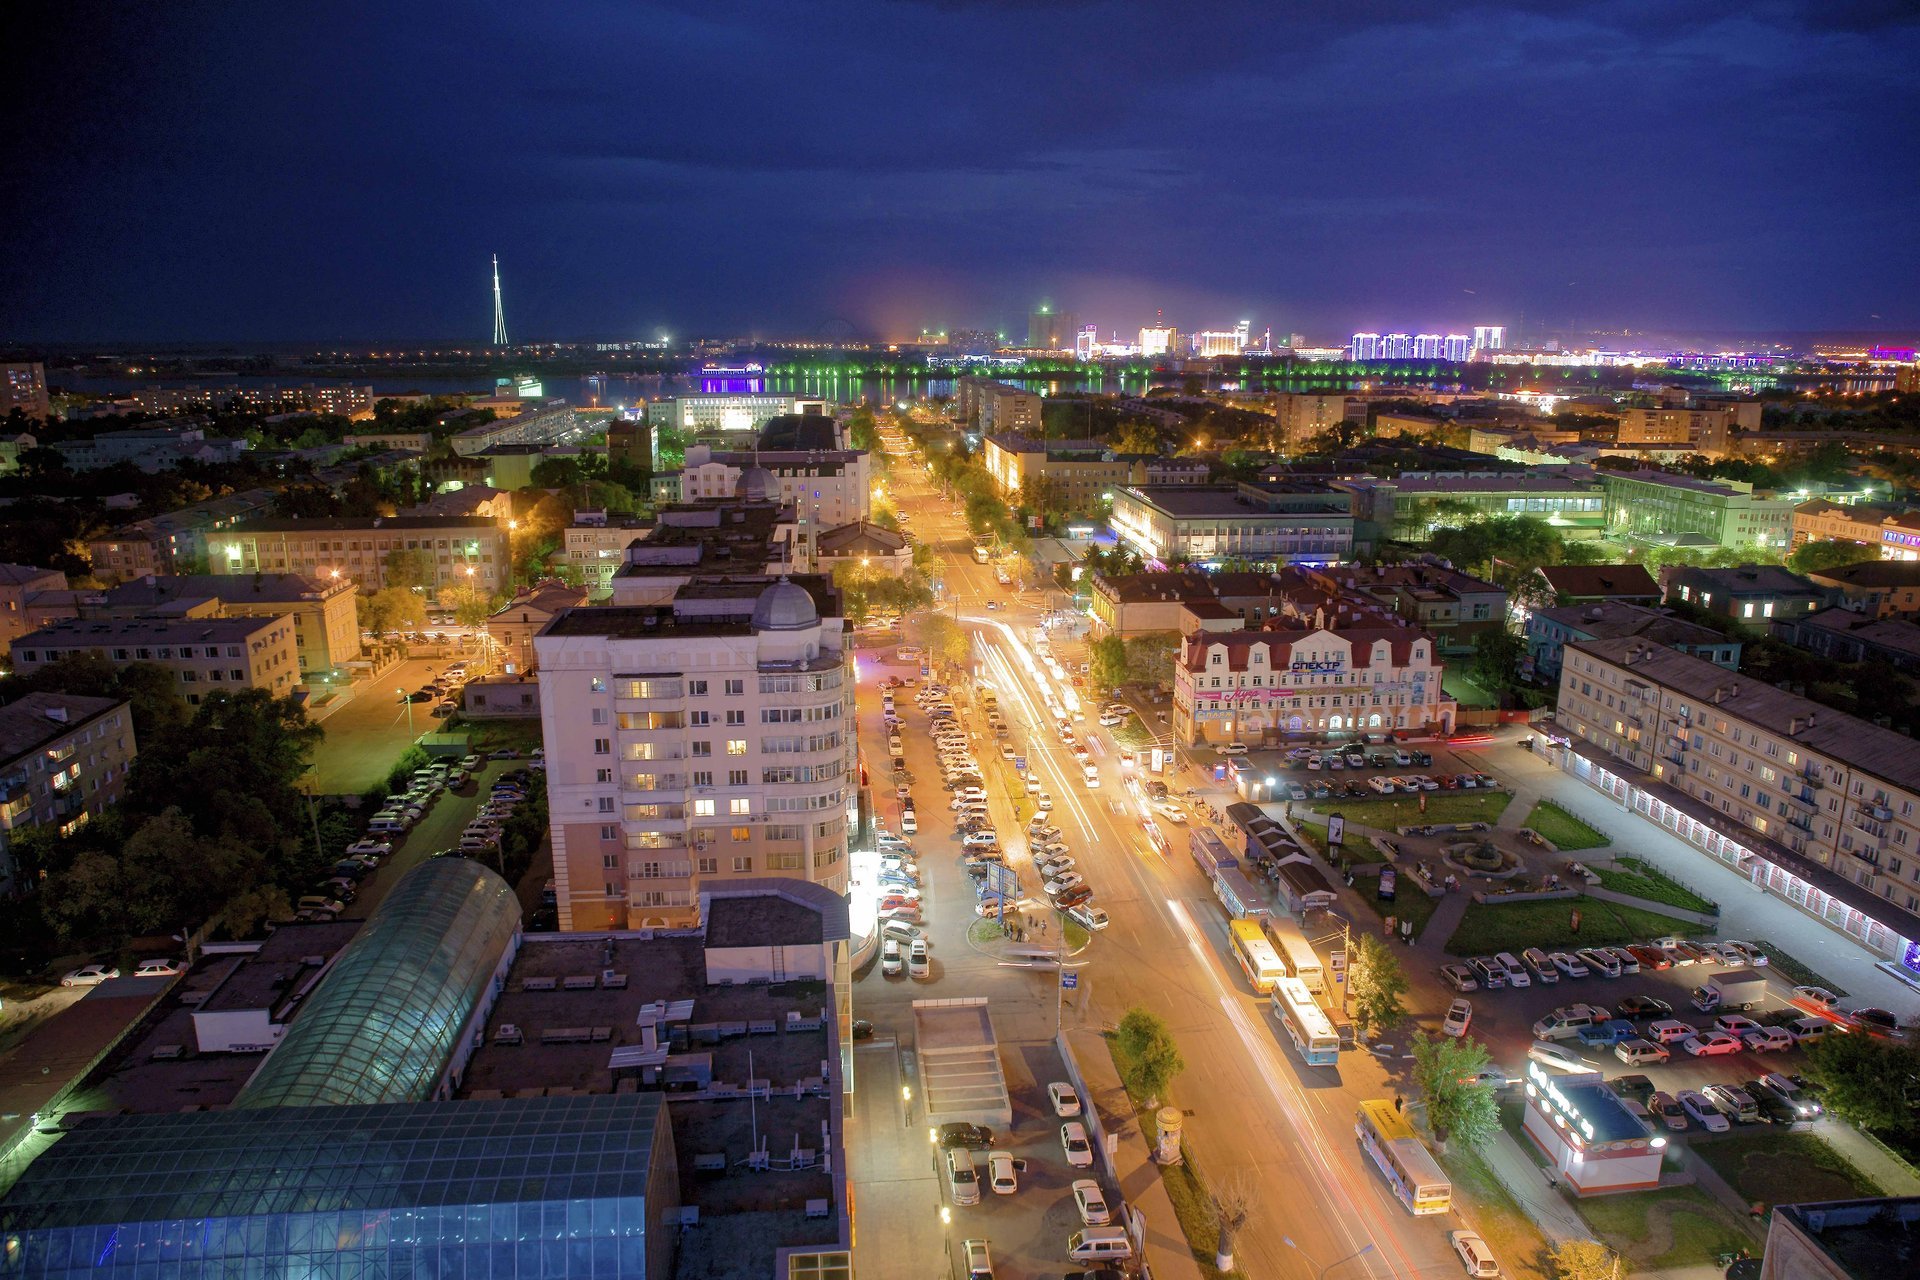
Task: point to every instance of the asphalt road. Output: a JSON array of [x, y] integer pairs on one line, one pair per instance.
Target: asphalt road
[[1256, 1113], [368, 732]]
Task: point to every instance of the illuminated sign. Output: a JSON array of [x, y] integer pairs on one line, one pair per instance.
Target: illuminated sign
[[1335, 665]]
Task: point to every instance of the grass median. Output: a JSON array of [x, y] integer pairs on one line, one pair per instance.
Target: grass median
[[1775, 1167], [1560, 828], [1488, 927], [1670, 1227], [1643, 880]]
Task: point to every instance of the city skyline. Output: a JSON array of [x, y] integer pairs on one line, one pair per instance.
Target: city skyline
[[173, 179]]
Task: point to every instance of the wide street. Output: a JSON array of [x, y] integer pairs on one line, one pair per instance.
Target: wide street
[[370, 730], [1254, 1109]]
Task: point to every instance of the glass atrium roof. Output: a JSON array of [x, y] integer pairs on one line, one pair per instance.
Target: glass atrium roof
[[383, 1024]]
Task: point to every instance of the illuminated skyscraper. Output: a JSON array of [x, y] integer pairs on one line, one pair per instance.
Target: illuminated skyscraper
[[1397, 346], [1050, 330], [1366, 346], [1457, 347], [1158, 340], [1489, 337], [1085, 341], [1427, 346], [499, 314]]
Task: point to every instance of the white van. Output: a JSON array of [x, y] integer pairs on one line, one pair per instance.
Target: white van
[[1565, 1023], [1100, 1244], [387, 826]]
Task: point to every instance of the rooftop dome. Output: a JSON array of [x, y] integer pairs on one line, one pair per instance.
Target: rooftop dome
[[756, 484], [784, 606]]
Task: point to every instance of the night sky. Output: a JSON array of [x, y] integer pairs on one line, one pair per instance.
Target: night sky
[[340, 172]]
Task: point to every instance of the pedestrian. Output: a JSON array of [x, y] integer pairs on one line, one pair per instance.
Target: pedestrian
[[1553, 1183], [1399, 1101]]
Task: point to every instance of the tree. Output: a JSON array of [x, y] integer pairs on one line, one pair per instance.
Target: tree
[[1150, 658], [1586, 1260], [391, 609], [1874, 1083], [1828, 553], [1496, 660], [944, 639], [555, 473], [470, 604], [1375, 985], [408, 567], [1154, 1059], [1232, 1207], [1107, 662], [1459, 1105], [1138, 436]]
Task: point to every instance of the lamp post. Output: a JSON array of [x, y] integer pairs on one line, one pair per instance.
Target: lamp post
[[407, 699]]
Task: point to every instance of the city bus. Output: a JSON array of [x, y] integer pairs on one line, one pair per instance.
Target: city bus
[[1255, 954], [1298, 953], [1308, 1026], [979, 554], [1402, 1158]]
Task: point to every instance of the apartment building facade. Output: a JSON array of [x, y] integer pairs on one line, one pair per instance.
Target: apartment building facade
[[325, 622], [19, 584], [1822, 520], [204, 655], [1299, 416], [175, 542], [595, 546], [825, 488], [989, 406], [1675, 431], [697, 743], [63, 759], [1263, 523], [1818, 807], [1281, 684], [355, 549]]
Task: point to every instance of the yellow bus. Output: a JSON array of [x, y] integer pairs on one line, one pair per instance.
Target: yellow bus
[[1402, 1158], [1255, 954]]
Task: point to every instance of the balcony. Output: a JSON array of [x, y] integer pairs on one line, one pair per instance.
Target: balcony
[[1863, 821], [1878, 812], [1813, 779], [642, 840], [1801, 822], [1804, 800], [650, 721]]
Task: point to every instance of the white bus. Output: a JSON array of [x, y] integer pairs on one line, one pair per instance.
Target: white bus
[[1402, 1158], [1298, 953], [1308, 1026], [1256, 955]]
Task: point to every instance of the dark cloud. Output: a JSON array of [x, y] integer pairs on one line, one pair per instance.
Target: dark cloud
[[262, 172]]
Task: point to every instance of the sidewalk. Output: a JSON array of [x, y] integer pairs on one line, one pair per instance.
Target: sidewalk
[[1527, 1182], [1894, 1178], [1137, 1176]]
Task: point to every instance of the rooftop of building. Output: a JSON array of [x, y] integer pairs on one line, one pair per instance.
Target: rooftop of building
[[1862, 512], [71, 631], [158, 592], [1744, 578], [1893, 635], [1871, 573], [1595, 1102], [860, 536], [364, 524], [22, 575], [1281, 635], [641, 622], [1415, 575], [1865, 1239], [1673, 480], [1532, 484], [1150, 587], [547, 596], [35, 719], [272, 974], [1630, 580], [1199, 501], [1819, 729], [1611, 619], [1018, 442]]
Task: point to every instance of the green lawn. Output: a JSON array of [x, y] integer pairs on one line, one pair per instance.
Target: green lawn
[[1411, 903], [1565, 831], [1488, 927], [1498, 1217], [1390, 813], [1643, 880], [1185, 1186], [1356, 849], [1671, 1227], [1764, 1164]]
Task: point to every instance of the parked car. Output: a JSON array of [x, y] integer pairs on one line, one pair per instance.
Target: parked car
[[1651, 957], [1571, 966], [1793, 1091], [1459, 1018], [958, 1133], [1733, 1103], [1539, 966], [1073, 1140], [1091, 918], [1669, 1111], [1639, 1053], [1474, 1254], [1599, 961], [1493, 976], [1001, 1174], [1066, 1102], [157, 969], [1670, 1031], [1459, 977], [892, 960], [1701, 1111], [1711, 1044], [1091, 1202], [1629, 963], [1643, 1007], [1516, 972]]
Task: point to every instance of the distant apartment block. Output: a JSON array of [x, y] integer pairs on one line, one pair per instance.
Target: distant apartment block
[[826, 489], [1846, 636], [725, 412], [695, 743], [1753, 594], [154, 448], [1815, 806], [326, 626], [1281, 523], [1549, 630], [176, 541], [63, 759], [355, 549], [19, 585], [990, 407], [595, 546], [1674, 431], [24, 387], [1678, 510], [204, 655], [513, 625], [1877, 588], [1300, 416], [539, 422], [340, 401], [1823, 520]]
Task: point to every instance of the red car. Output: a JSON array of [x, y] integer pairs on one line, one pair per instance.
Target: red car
[[1072, 897], [1650, 957]]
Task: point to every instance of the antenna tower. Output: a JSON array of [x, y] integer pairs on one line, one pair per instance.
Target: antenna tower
[[499, 313]]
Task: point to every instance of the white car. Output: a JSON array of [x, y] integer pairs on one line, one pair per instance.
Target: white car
[[89, 975], [1091, 1202], [1517, 975], [1234, 749], [1572, 966], [1596, 959], [1073, 1140], [1474, 1254], [918, 966], [1768, 1039], [979, 1260], [1549, 1054], [1089, 917], [1065, 881], [1459, 1018], [158, 969], [1638, 1053], [980, 840], [892, 962], [1066, 1102], [1702, 1111], [1000, 1173], [1044, 802]]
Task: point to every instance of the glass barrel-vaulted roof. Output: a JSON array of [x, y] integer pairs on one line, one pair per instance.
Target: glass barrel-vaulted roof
[[382, 1025], [361, 1176]]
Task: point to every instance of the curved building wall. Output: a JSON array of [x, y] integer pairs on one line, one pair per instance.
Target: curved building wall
[[388, 1020]]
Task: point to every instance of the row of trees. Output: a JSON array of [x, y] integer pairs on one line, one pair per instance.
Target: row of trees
[[1141, 660]]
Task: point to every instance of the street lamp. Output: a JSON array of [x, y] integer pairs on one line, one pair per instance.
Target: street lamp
[[408, 700], [1363, 1249]]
